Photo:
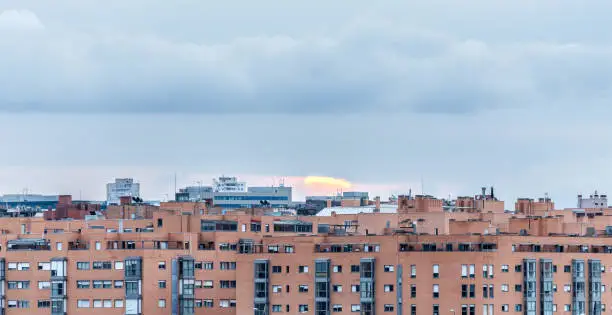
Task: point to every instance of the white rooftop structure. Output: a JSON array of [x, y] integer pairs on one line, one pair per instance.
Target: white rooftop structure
[[228, 184], [384, 208]]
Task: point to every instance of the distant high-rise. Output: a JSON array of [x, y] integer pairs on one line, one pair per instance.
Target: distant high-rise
[[120, 188]]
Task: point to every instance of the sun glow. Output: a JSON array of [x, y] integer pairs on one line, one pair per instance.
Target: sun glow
[[327, 181]]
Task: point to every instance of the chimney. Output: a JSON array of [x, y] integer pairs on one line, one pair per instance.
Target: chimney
[[484, 192], [492, 194], [125, 200]]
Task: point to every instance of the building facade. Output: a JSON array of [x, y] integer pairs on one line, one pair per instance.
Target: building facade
[[122, 187], [406, 263]]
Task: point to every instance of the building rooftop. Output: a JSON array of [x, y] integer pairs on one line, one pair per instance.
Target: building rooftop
[[384, 208]]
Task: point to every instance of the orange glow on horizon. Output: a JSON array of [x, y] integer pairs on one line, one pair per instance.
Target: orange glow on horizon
[[327, 182]]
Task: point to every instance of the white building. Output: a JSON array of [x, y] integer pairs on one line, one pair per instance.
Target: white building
[[122, 187], [228, 184], [593, 201]]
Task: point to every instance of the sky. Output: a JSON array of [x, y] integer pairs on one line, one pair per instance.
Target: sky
[[440, 97]]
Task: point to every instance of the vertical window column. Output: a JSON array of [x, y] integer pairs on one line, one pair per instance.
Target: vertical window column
[[400, 289], [58, 285], [186, 285], [133, 285], [368, 294], [594, 287], [529, 282], [578, 287], [322, 280], [2, 286], [546, 286], [261, 279]]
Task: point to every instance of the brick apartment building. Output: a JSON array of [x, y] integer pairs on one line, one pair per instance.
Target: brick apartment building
[[419, 260]]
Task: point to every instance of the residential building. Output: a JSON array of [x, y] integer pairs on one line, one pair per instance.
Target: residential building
[[405, 262]]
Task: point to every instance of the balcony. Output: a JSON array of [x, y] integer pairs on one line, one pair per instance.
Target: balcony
[[78, 245], [27, 244], [346, 248], [448, 247]]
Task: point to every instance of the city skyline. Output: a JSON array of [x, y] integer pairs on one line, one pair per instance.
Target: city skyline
[[382, 94]]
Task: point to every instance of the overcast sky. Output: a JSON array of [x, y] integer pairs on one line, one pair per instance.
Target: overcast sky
[[460, 94]]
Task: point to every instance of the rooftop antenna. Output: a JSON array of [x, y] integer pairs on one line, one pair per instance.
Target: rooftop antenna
[[174, 182], [422, 186]]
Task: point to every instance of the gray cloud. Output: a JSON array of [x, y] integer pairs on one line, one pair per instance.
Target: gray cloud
[[363, 65]]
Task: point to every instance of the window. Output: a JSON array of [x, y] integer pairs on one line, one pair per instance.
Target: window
[[504, 268], [436, 271], [161, 265], [336, 308], [118, 284], [43, 285], [161, 303], [355, 288], [518, 268], [389, 268], [504, 288], [208, 303], [23, 266], [413, 309], [389, 308], [412, 271], [464, 271], [98, 246], [567, 308], [303, 308], [487, 271], [102, 265], [303, 288], [337, 269], [277, 269], [227, 284], [161, 284], [518, 288], [108, 303], [354, 268], [567, 288], [83, 303], [518, 307], [567, 268], [83, 265], [472, 271], [12, 285], [83, 284], [413, 291], [227, 265], [355, 308], [436, 309], [388, 288], [303, 269], [504, 307], [118, 265], [277, 289], [337, 288], [44, 266], [436, 291], [118, 303], [207, 284], [44, 304], [58, 246]]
